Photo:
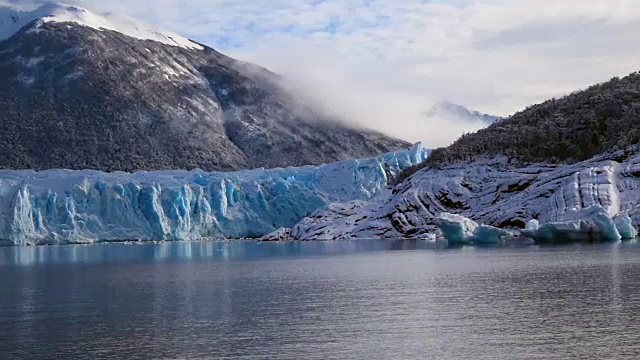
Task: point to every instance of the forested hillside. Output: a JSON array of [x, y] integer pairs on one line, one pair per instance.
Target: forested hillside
[[576, 127], [573, 128]]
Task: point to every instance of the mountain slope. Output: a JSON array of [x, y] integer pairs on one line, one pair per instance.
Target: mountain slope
[[75, 93], [586, 123], [570, 129]]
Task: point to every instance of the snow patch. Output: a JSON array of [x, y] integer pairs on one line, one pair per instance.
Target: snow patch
[[11, 21], [26, 80], [30, 62]]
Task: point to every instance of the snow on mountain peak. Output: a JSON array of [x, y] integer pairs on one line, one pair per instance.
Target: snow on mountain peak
[[12, 20], [448, 110]]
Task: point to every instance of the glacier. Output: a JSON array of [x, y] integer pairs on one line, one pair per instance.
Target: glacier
[[598, 194], [64, 206]]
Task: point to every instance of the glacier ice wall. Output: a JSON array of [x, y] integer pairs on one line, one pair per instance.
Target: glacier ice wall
[[63, 206], [490, 192]]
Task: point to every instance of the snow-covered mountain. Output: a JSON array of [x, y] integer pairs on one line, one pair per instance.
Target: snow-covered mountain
[[12, 21], [63, 206], [81, 90], [457, 113], [490, 192]]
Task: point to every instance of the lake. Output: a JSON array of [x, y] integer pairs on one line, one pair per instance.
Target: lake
[[319, 300]]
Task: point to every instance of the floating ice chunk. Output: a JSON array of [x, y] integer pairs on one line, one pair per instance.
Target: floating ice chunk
[[485, 234], [625, 226], [588, 224], [532, 225], [458, 229], [428, 237]]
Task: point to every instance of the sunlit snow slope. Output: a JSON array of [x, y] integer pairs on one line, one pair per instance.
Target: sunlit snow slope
[[11, 21]]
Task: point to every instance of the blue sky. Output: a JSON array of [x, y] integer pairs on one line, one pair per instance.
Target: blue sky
[[383, 62]]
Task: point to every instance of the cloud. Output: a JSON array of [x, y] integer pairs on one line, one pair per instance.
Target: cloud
[[382, 63]]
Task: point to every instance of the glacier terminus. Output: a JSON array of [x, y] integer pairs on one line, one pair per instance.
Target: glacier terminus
[[64, 206]]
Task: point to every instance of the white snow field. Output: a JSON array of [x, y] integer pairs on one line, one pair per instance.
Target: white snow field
[[12, 20]]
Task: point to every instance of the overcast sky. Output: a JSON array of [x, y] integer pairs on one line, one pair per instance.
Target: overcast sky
[[383, 62]]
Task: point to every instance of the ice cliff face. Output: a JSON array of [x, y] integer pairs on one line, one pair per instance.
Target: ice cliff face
[[489, 192], [63, 206]]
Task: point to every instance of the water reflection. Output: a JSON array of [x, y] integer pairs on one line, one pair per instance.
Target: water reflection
[[183, 251], [203, 300]]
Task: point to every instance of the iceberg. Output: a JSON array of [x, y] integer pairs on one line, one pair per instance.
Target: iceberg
[[64, 206], [532, 225], [487, 234], [589, 224], [458, 229], [625, 227]]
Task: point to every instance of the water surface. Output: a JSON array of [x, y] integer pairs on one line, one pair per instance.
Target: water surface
[[319, 300]]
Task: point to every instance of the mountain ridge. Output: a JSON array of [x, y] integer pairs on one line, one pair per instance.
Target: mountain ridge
[[78, 97], [458, 112], [11, 21], [576, 127], [604, 117]]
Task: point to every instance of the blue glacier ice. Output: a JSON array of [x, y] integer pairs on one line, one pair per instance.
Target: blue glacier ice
[[64, 206], [458, 229], [624, 224], [593, 223]]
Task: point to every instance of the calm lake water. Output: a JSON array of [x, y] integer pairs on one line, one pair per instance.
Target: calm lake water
[[322, 300]]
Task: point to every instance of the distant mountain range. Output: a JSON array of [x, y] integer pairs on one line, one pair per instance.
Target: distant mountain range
[[453, 112], [80, 90], [601, 118]]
